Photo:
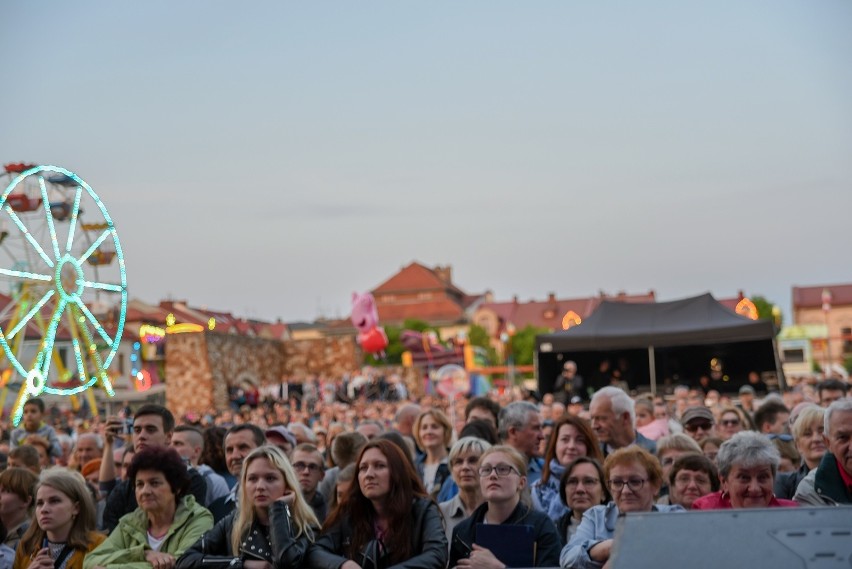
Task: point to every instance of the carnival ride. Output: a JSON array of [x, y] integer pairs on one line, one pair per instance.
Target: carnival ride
[[65, 294]]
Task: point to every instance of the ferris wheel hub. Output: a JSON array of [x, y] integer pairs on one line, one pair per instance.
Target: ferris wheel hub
[[69, 278]]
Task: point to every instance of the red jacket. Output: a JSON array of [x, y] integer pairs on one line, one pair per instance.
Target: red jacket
[[720, 501]]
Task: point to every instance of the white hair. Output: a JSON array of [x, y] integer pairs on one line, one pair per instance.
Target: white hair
[[842, 406], [620, 401]]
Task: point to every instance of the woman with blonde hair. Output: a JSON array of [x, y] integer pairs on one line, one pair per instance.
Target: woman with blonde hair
[[808, 431], [433, 433], [63, 531], [273, 525]]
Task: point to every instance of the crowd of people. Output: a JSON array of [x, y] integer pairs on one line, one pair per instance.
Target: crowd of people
[[503, 480]]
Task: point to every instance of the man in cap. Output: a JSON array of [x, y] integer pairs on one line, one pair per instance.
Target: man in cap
[[281, 437], [699, 423]]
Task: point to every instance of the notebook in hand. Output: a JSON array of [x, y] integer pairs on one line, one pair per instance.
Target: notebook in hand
[[513, 545]]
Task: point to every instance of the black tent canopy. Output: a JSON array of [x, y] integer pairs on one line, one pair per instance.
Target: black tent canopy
[[620, 326]]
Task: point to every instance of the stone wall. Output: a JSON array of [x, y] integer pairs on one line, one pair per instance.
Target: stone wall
[[189, 381], [330, 357], [201, 366]]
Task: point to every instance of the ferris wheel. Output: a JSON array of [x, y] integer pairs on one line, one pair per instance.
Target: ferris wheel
[[63, 280]]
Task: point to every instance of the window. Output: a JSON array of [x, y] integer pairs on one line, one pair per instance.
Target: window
[[846, 336], [794, 356]]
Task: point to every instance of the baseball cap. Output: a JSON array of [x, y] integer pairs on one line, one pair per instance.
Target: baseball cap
[[747, 389], [576, 399], [283, 432], [696, 413]]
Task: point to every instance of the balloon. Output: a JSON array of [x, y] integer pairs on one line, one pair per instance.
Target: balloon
[[365, 318]]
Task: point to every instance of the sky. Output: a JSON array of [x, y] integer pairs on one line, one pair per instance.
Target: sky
[[270, 158]]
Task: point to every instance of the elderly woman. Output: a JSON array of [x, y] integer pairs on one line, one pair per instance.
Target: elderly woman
[[669, 449], [747, 463], [165, 524], [691, 477], [634, 477], [464, 459], [502, 480], [433, 433], [17, 499], [808, 433], [581, 487], [273, 526], [573, 438], [63, 531], [386, 518]]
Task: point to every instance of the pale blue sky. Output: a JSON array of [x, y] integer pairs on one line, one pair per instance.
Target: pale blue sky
[[269, 158]]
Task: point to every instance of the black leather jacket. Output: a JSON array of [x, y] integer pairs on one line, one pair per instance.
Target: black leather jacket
[[213, 550], [429, 543]]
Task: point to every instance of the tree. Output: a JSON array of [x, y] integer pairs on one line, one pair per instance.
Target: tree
[[523, 344], [765, 309], [478, 336]]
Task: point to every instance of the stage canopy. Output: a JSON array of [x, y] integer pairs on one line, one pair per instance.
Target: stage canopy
[[676, 332]]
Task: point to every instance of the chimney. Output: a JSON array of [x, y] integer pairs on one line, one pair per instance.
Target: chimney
[[515, 299], [445, 273], [551, 297]]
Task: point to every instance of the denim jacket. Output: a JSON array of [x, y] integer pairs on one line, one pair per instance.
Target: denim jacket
[[598, 525]]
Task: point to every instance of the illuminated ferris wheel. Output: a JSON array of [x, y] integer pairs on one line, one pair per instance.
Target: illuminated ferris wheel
[[65, 286]]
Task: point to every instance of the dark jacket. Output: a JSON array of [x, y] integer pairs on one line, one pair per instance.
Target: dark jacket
[[548, 542], [823, 486], [122, 500], [787, 482], [428, 543], [214, 551]]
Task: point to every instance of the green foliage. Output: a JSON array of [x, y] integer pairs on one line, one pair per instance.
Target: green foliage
[[478, 336], [847, 363], [523, 344], [764, 308]]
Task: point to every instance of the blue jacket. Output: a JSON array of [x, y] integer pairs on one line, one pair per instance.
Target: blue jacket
[[545, 495], [598, 525]]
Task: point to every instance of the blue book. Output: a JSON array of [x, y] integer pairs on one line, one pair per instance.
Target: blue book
[[514, 545]]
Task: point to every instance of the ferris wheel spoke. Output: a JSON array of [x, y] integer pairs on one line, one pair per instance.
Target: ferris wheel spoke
[[28, 316], [95, 245], [26, 275], [50, 337], [45, 202], [28, 235], [95, 324], [104, 286], [74, 213], [78, 357]]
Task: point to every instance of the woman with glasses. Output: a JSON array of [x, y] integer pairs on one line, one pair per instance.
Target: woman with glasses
[[502, 480], [808, 433], [573, 438], [272, 526], [464, 459], [634, 477], [731, 422], [386, 518], [580, 488], [748, 463]]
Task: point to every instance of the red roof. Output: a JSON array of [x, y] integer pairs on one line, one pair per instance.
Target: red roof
[[549, 313], [811, 296], [416, 277], [440, 310]]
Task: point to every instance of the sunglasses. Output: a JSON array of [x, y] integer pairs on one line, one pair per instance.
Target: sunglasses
[[730, 422], [704, 426]]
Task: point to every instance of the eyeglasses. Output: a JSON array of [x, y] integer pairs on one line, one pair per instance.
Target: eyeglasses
[[634, 484], [307, 466], [500, 469], [574, 482], [730, 422], [692, 427]]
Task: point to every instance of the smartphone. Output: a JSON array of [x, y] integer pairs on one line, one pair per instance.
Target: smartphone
[[127, 429]]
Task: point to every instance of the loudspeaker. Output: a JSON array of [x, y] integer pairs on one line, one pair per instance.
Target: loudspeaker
[[775, 538]]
